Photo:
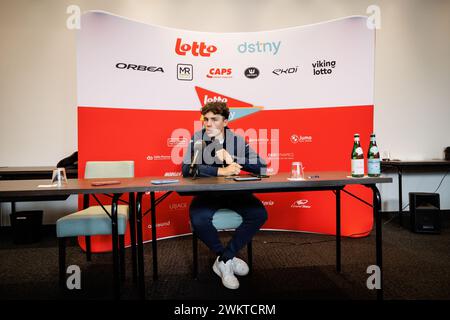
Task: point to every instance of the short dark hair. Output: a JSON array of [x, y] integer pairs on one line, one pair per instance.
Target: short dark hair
[[216, 107]]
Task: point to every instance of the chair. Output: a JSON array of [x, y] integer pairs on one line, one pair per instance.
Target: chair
[[223, 219], [93, 220]]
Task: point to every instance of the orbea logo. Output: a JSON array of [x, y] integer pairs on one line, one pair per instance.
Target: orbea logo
[[259, 47], [195, 48], [268, 203], [136, 67], [219, 73]]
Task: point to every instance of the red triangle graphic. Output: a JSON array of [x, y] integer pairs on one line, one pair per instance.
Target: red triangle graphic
[[208, 96]]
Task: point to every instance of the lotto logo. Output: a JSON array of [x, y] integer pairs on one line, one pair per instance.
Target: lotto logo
[[214, 99], [195, 48]]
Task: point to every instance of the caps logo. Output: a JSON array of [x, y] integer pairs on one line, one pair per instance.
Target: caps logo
[[195, 48], [219, 73]]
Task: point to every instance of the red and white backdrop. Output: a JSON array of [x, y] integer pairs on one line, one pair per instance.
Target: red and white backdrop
[[299, 94]]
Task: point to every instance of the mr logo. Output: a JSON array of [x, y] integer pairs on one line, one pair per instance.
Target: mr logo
[[185, 72], [74, 279], [374, 280]]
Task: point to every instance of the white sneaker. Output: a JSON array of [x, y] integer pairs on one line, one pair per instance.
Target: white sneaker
[[225, 271], [240, 268]]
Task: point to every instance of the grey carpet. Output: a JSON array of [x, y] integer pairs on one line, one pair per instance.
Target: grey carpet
[[287, 266]]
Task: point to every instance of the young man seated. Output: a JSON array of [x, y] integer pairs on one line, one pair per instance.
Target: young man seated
[[222, 153]]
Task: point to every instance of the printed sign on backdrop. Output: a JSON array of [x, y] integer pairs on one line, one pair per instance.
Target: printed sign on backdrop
[[297, 94]]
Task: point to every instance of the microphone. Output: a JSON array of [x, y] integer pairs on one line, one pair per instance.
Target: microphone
[[198, 147]]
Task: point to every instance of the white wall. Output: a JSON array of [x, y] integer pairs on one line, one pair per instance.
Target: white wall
[[38, 121]]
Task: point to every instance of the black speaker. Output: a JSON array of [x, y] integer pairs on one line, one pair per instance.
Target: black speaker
[[425, 212], [26, 226]]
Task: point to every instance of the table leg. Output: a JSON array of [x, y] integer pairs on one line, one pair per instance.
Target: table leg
[[140, 246], [378, 236], [115, 246], [154, 240], [338, 230], [132, 220], [400, 197]]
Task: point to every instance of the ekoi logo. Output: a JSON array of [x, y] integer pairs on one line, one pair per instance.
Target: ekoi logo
[[195, 48]]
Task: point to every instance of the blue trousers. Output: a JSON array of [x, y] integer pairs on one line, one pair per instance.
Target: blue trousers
[[247, 205]]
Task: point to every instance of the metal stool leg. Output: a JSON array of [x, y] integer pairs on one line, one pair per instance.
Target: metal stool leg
[[88, 248], [122, 256], [250, 256], [195, 254], [62, 262]]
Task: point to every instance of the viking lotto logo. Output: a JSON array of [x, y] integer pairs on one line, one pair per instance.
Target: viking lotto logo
[[323, 67], [196, 49]]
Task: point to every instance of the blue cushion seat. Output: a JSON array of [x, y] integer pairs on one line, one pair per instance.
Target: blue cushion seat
[[226, 219], [91, 221]]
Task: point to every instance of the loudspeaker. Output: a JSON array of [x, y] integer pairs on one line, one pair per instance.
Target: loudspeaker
[[425, 212], [26, 226]]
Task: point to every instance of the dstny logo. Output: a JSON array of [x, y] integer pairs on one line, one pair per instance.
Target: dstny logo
[[122, 65], [195, 48], [259, 47]]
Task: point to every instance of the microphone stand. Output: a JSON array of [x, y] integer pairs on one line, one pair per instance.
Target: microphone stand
[[195, 175]]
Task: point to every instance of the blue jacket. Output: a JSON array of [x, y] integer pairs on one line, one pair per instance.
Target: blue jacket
[[208, 164]]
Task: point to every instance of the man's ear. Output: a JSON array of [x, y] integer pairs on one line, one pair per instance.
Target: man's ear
[[225, 122]]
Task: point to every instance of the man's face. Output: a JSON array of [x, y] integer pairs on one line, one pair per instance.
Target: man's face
[[214, 124]]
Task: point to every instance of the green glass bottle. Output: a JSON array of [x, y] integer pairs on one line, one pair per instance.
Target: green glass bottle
[[357, 158], [373, 158]]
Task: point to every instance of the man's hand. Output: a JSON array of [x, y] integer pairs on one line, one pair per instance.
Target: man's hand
[[232, 169], [222, 155]]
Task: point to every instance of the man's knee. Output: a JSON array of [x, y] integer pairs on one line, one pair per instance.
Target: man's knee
[[262, 215], [258, 214], [199, 218]]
